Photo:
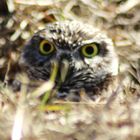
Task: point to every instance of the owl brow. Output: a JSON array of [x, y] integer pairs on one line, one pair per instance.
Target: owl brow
[[41, 38], [85, 42]]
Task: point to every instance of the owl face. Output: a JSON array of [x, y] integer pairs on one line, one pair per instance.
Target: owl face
[[89, 54]]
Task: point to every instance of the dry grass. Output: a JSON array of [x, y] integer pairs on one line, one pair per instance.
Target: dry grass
[[23, 116]]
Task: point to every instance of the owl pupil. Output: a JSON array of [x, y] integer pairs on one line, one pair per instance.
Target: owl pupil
[[89, 50], [47, 47]]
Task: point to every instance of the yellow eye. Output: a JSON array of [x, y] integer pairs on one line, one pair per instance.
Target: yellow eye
[[46, 48], [90, 50]]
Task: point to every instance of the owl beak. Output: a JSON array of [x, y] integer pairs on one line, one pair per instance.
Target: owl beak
[[64, 69]]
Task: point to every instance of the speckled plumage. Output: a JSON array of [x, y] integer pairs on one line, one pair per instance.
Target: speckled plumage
[[91, 74]]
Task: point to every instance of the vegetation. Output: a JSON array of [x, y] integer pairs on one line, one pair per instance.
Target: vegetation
[[26, 116]]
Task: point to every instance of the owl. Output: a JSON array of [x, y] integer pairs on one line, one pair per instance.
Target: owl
[[88, 54]]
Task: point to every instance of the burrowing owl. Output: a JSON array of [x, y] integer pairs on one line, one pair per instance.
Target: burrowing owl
[[89, 53]]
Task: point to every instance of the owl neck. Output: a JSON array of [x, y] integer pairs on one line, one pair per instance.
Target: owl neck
[[90, 88]]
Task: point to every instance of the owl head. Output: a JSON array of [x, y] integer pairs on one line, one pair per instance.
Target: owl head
[[88, 53]]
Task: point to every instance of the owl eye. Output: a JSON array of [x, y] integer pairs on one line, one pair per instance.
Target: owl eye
[[46, 47], [90, 50]]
